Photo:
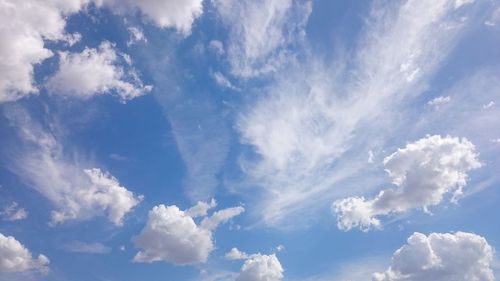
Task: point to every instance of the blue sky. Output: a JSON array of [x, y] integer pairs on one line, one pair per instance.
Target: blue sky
[[221, 140]]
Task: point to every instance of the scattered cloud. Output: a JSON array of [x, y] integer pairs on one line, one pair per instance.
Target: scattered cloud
[[13, 212], [261, 33], [436, 102], [93, 72], [172, 235], [456, 256], [310, 137], [136, 35], [78, 192], [217, 46], [222, 80], [257, 267], [14, 257], [424, 172], [179, 15], [24, 28]]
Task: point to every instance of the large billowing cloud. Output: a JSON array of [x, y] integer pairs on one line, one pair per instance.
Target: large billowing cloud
[[172, 235], [93, 72], [14, 257], [257, 267], [26, 25], [424, 172], [78, 191], [312, 129], [441, 257], [261, 31]]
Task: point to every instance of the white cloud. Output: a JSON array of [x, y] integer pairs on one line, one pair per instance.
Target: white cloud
[[488, 105], [439, 101], [441, 257], [78, 192], [222, 80], [424, 172], [172, 235], [14, 257], [93, 72], [166, 14], [24, 25], [310, 130], [136, 35], [87, 248], [260, 32], [217, 46], [13, 213], [257, 267]]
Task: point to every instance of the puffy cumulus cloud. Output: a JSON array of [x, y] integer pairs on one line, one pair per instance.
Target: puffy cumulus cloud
[[93, 72], [441, 257], [172, 235], [257, 267], [310, 130], [260, 32], [166, 14], [424, 172], [24, 25], [13, 212], [14, 257], [78, 192]]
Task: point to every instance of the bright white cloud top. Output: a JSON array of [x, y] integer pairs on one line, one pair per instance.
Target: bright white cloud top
[[172, 235], [441, 257], [424, 172], [14, 257], [93, 72], [257, 267]]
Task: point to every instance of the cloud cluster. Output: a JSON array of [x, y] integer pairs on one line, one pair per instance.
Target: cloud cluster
[[441, 257], [424, 172], [310, 129], [14, 257], [93, 72], [172, 235], [13, 212], [260, 32], [78, 192], [257, 267], [24, 26]]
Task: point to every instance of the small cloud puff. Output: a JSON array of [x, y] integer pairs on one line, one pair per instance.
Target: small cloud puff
[[172, 235]]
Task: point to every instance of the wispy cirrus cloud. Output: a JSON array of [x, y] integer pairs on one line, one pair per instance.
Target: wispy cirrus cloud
[[311, 129], [77, 190]]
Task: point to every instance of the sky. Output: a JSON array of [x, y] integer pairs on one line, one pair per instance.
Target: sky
[[249, 140]]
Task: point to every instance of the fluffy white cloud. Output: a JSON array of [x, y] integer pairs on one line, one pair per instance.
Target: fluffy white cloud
[[24, 25], [13, 212], [93, 72], [172, 235], [257, 267], [260, 32], [439, 101], [79, 193], [441, 257], [424, 172], [136, 35], [166, 14], [14, 257], [312, 128]]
